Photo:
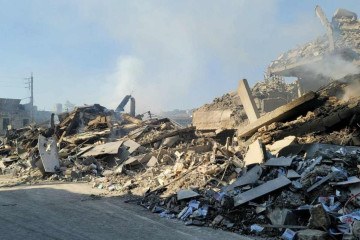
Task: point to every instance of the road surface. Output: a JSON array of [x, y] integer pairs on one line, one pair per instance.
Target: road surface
[[68, 211]]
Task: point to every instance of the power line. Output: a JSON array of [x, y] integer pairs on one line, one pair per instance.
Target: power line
[[10, 86]]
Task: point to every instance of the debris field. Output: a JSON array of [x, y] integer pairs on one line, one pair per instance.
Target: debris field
[[291, 173]]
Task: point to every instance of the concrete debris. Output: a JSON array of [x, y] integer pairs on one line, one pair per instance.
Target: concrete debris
[[256, 153], [228, 112], [277, 146], [261, 190], [48, 154], [186, 194], [282, 217], [319, 217], [291, 173], [248, 101], [283, 113], [250, 177], [280, 162], [312, 234], [296, 181]]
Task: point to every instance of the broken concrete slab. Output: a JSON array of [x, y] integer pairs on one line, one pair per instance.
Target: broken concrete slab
[[170, 141], [131, 119], [282, 113], [249, 177], [277, 146], [261, 190], [152, 162], [138, 132], [279, 162], [319, 217], [137, 160], [175, 132], [247, 101], [213, 120], [84, 150], [186, 194], [111, 148], [131, 145], [350, 180], [284, 216], [322, 181], [291, 174], [256, 153], [312, 234], [49, 153]]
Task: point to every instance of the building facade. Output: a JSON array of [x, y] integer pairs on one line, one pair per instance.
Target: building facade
[[13, 113]]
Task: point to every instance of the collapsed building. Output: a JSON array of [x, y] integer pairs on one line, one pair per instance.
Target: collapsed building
[[330, 57], [286, 170], [227, 112], [315, 64]]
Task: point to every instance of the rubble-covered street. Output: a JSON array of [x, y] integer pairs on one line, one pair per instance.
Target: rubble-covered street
[[279, 160], [73, 210]]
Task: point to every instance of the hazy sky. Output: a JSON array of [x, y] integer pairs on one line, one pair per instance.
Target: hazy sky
[[168, 54]]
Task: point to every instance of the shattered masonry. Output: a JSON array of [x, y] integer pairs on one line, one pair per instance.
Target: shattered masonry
[[292, 172]]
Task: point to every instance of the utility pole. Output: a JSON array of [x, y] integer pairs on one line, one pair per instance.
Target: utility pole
[[31, 88]]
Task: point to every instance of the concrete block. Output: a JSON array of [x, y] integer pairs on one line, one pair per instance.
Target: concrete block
[[213, 120], [311, 234], [270, 104], [49, 154], [280, 114], [256, 153], [247, 100]]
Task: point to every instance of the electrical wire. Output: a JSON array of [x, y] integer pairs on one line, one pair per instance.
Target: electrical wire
[[348, 201]]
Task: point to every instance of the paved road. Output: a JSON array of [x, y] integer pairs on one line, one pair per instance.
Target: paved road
[[66, 211]]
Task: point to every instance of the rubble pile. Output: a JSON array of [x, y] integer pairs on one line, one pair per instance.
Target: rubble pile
[[282, 181], [229, 100], [349, 31], [291, 173], [346, 33], [275, 87], [334, 120], [70, 147], [268, 95]]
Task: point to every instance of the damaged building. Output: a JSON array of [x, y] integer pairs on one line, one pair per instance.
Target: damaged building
[[288, 169], [13, 113], [228, 113], [329, 57], [315, 64]]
